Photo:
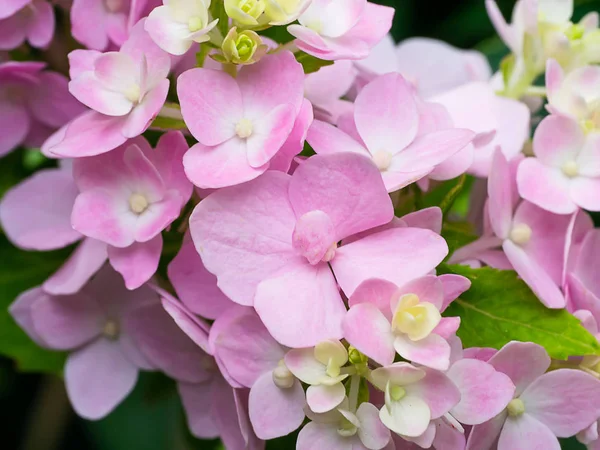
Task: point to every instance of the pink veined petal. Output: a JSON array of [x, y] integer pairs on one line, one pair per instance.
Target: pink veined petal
[[143, 114], [98, 377], [158, 216], [432, 351], [117, 71], [453, 286], [243, 256], [94, 94], [447, 327], [386, 114], [526, 433], [427, 218], [376, 292], [428, 288], [500, 205], [322, 398], [15, 126], [484, 391], [566, 401], [196, 287], [244, 346], [36, 213], [385, 255], [366, 328], [546, 187], [302, 306], [438, 391], [485, 435], [347, 187], [88, 23], [372, 433], [557, 140], [196, 399], [523, 362], [89, 256], [584, 192], [535, 276], [138, 262], [67, 322], [220, 166], [269, 135], [275, 412], [324, 138], [41, 26], [211, 113]]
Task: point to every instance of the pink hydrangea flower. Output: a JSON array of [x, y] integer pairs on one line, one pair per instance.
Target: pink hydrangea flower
[[559, 403], [240, 123], [127, 197], [345, 429], [341, 29], [565, 174], [124, 89], [175, 26], [26, 20], [33, 104], [325, 88], [98, 24], [384, 319], [532, 239], [280, 236], [251, 358], [387, 122]]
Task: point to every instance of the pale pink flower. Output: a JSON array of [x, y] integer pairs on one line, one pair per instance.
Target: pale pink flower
[[124, 89], [565, 174], [582, 282], [559, 403], [127, 197], [251, 358], [26, 20], [345, 429], [384, 319], [274, 246], [33, 104], [386, 119], [341, 29]]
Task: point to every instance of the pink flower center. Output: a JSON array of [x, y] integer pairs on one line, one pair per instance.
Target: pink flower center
[[111, 329], [138, 203], [382, 159]]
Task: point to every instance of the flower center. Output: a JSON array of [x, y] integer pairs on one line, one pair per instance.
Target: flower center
[[415, 318], [248, 5], [515, 407], [133, 93], [520, 234], [397, 393], [244, 129], [138, 203], [111, 329], [570, 169], [244, 46], [347, 428], [382, 159], [282, 377], [575, 32], [195, 24]]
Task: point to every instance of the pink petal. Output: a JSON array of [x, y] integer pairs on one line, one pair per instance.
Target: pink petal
[[324, 138], [523, 362], [138, 262], [587, 261], [10, 7], [588, 159], [82, 265], [143, 114], [372, 433], [158, 216], [557, 140], [484, 391], [21, 312], [92, 92], [584, 193], [196, 287], [313, 236], [428, 218], [366, 328], [519, 433], [485, 435], [212, 112], [197, 399], [302, 306], [447, 436], [320, 435], [447, 327], [566, 401], [377, 292], [454, 286], [347, 187], [384, 255], [386, 115], [546, 187], [140, 46], [87, 18], [98, 377], [269, 135], [275, 412], [437, 390], [16, 123], [428, 288], [220, 166], [500, 206], [432, 351], [41, 26], [243, 256], [13, 31], [322, 398]]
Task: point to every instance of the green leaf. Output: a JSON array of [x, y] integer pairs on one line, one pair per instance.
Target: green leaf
[[500, 308], [20, 271], [168, 123], [217, 11], [457, 235], [445, 194], [309, 63]]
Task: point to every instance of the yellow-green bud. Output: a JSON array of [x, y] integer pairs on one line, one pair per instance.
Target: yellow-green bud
[[356, 357], [245, 12], [245, 47]]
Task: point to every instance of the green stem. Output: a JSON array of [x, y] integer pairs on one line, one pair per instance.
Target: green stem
[[353, 395]]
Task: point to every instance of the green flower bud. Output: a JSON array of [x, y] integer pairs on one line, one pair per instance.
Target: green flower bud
[[245, 47], [245, 12]]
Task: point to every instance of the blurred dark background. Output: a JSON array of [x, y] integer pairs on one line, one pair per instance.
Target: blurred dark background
[[34, 412]]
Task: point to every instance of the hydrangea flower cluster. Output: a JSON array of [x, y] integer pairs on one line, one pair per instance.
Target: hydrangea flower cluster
[[262, 221]]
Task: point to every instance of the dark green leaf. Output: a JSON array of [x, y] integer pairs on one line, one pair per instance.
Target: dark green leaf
[[500, 308], [309, 63], [457, 235]]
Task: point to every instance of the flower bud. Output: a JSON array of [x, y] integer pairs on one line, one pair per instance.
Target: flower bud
[[245, 12], [282, 377], [356, 357], [245, 47]]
